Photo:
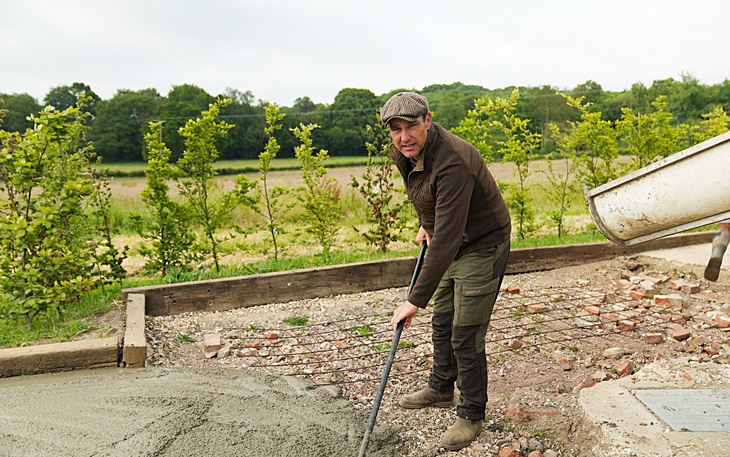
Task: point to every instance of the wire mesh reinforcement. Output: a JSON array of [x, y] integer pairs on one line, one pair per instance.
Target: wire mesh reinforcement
[[354, 349]]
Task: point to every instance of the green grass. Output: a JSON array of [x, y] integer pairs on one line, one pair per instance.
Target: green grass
[[230, 167], [66, 325], [296, 321], [362, 330]]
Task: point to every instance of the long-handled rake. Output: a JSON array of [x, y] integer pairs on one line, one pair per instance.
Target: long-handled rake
[[391, 356]]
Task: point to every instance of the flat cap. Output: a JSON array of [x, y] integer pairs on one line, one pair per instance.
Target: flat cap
[[404, 105]]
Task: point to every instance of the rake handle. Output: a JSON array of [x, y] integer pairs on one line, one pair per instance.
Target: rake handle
[[391, 356]]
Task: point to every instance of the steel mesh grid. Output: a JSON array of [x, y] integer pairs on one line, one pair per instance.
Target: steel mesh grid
[[355, 349]]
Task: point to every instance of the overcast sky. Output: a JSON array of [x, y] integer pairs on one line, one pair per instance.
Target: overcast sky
[[284, 49]]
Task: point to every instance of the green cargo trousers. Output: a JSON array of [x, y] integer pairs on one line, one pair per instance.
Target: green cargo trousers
[[463, 304]]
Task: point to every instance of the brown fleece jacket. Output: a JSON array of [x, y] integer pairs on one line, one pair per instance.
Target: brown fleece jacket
[[458, 204]]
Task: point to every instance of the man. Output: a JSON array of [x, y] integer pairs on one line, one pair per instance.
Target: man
[[719, 246], [464, 220]]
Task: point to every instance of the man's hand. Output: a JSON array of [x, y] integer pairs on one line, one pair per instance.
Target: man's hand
[[422, 236], [405, 311]]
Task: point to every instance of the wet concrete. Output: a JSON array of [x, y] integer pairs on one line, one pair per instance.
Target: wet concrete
[[179, 412]]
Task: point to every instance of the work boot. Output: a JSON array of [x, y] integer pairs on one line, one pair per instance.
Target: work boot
[[428, 396], [719, 245], [461, 434]]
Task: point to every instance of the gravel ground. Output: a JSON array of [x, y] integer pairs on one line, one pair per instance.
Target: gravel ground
[[538, 357]]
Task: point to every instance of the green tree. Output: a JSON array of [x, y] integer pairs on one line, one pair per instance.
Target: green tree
[[245, 141], [19, 108], [591, 142], [476, 127], [352, 110], [378, 189], [121, 122], [182, 103], [518, 147], [648, 137], [47, 244], [167, 224], [266, 200], [62, 97], [211, 207], [320, 195]]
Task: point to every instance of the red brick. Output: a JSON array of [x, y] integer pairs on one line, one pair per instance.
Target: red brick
[[710, 351], [515, 344], [636, 295], [626, 325], [722, 321], [564, 364], [676, 284], [509, 452], [212, 342], [690, 288], [271, 336], [623, 368], [587, 382], [254, 344], [536, 308], [654, 338], [535, 453], [513, 290], [678, 332], [593, 310]]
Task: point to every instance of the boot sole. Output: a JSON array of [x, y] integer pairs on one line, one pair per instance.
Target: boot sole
[[455, 447], [440, 404], [712, 272]]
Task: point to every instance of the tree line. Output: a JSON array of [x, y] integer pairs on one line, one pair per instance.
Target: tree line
[[118, 125]]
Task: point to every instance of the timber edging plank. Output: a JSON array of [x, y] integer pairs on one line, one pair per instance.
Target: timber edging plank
[[244, 291], [43, 358]]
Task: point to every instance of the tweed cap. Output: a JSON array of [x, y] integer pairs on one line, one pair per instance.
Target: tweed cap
[[408, 106]]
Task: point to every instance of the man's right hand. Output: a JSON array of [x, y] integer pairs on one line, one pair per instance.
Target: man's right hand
[[405, 311], [422, 236]]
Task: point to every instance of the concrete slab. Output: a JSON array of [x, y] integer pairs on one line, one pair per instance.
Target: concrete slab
[[623, 426]]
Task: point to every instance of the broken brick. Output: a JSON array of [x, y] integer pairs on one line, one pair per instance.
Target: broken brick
[[536, 308], [564, 364], [654, 338], [515, 344], [678, 332], [212, 342], [509, 452], [636, 294], [722, 321], [623, 368], [626, 325], [587, 382], [593, 310]]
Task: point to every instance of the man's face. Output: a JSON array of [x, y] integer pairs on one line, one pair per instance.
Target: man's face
[[410, 137]]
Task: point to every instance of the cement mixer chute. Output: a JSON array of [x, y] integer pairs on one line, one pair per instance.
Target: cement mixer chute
[[685, 190]]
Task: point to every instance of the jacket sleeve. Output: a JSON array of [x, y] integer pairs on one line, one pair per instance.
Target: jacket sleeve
[[453, 185]]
